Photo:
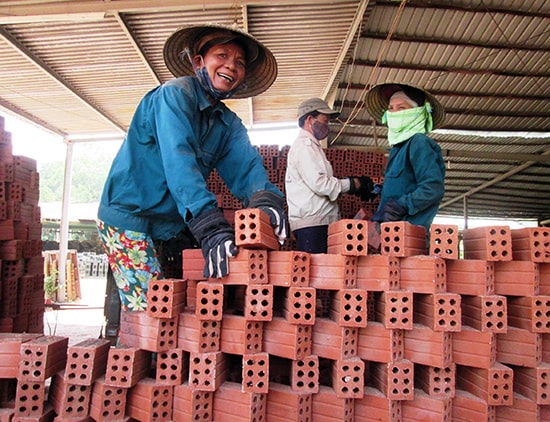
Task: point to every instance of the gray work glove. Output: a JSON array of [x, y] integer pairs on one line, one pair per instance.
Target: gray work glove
[[217, 240], [391, 211], [272, 204]]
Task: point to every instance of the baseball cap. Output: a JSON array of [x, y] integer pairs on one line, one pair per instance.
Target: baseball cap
[[316, 104]]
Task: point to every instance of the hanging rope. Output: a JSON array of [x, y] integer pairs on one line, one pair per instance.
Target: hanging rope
[[374, 73]]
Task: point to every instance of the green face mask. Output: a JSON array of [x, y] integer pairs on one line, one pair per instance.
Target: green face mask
[[405, 123]]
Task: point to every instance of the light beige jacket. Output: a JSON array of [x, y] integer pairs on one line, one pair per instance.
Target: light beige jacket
[[311, 188]]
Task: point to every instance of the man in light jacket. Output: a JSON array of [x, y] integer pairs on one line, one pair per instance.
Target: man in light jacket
[[311, 188]]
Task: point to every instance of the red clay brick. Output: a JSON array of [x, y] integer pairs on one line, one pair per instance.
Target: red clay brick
[[544, 273], [248, 267], [209, 304], [395, 309], [435, 381], [402, 239], [299, 305], [475, 348], [30, 398], [108, 403], [332, 272], [375, 406], [193, 264], [395, 379], [473, 277], [349, 308], [288, 268], [533, 383], [126, 366], [42, 357], [255, 372], [468, 408], [531, 244], [10, 352], [284, 404], [166, 297], [172, 367], [439, 311], [207, 371], [423, 274], [485, 313], [348, 237], [139, 330], [524, 409], [517, 278], [291, 341], [195, 335], [444, 241], [379, 344], [519, 347], [239, 336], [492, 243], [258, 305], [378, 273], [304, 375], [253, 230], [425, 407], [326, 407], [192, 405], [233, 404], [348, 378], [87, 361], [69, 400], [149, 401], [530, 313], [428, 347], [331, 341], [493, 384]]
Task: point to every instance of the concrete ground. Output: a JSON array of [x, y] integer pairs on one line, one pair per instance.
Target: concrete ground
[[79, 320]]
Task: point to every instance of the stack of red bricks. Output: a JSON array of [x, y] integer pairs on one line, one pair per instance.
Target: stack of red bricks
[[344, 163], [21, 262]]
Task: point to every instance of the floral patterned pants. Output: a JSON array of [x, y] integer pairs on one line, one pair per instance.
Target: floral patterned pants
[[134, 262]]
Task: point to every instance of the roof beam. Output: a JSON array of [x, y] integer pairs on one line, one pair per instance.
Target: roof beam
[[425, 68], [31, 11], [130, 35], [458, 94], [47, 70], [444, 5], [406, 38], [358, 18]]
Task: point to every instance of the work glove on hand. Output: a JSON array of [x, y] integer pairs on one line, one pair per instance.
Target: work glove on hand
[[272, 205], [366, 191], [217, 240], [391, 211]]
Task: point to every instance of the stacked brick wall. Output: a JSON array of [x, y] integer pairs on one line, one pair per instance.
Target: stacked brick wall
[[291, 336], [21, 262]]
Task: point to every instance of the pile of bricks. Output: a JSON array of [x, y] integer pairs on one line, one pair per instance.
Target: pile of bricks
[[21, 262], [291, 336]]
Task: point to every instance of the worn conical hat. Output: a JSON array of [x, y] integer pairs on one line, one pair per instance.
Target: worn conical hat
[[261, 66], [378, 97]]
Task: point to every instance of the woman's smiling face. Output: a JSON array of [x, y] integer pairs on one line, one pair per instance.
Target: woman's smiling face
[[225, 64]]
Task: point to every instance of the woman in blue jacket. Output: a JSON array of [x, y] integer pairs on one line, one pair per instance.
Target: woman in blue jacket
[[180, 132], [414, 180]]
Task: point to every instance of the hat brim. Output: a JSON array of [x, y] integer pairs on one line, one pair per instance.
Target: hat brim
[[377, 101], [260, 73]]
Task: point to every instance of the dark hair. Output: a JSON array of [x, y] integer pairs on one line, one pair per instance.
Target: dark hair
[[414, 94], [240, 41], [302, 120]]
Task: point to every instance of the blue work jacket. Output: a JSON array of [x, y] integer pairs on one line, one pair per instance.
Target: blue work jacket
[[415, 178], [157, 182]]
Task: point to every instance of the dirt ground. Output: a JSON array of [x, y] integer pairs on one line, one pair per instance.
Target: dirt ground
[[79, 320]]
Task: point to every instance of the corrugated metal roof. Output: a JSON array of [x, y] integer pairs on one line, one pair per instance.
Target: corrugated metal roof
[[80, 67]]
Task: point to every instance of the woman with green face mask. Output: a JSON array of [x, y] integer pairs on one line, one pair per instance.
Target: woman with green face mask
[[414, 180]]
